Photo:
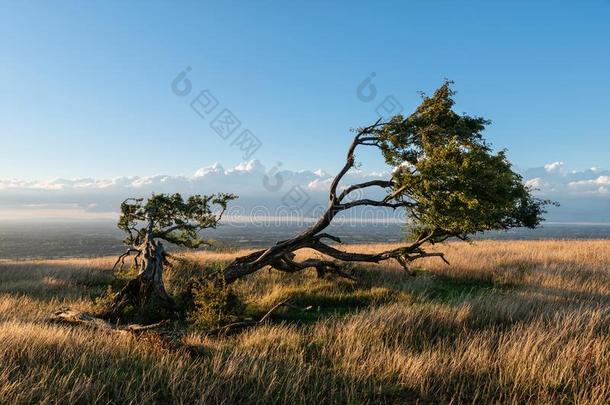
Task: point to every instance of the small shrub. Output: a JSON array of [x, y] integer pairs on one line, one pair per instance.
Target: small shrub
[[102, 304], [214, 304]]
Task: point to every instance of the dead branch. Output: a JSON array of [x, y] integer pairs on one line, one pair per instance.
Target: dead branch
[[122, 257], [135, 328], [71, 317], [372, 183]]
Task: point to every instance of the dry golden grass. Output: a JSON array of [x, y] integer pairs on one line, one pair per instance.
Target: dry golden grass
[[507, 322]]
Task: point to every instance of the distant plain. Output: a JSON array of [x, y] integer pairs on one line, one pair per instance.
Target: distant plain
[[56, 239]]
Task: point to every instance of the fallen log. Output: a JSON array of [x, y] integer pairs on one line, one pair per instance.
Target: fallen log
[[72, 317]]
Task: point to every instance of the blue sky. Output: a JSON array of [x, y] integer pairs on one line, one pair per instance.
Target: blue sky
[[86, 86]]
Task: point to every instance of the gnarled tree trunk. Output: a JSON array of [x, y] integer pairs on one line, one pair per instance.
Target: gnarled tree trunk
[[147, 287]]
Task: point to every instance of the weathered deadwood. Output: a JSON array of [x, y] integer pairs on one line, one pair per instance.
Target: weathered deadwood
[[73, 317], [287, 264], [153, 336], [67, 316]]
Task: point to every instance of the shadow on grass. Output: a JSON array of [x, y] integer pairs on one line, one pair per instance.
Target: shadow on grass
[[453, 290], [317, 306], [374, 289]]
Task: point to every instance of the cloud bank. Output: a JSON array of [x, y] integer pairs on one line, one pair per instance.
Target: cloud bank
[[261, 191], [584, 195]]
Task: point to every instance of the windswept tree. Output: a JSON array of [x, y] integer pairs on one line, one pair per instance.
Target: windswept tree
[[447, 178], [444, 174], [147, 224]]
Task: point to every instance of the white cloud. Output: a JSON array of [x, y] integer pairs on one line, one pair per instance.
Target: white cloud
[[252, 166], [250, 180], [553, 167], [592, 186], [215, 169], [604, 180], [552, 180], [320, 184], [536, 183]]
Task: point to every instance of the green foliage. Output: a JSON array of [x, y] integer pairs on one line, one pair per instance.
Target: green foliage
[[171, 217], [450, 177], [103, 303], [214, 304]]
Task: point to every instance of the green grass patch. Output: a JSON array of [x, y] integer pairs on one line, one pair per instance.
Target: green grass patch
[[313, 306], [452, 289]]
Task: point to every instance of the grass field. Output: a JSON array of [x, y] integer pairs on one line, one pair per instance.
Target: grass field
[[506, 322]]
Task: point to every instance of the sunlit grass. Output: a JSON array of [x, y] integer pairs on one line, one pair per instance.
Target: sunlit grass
[[507, 322]]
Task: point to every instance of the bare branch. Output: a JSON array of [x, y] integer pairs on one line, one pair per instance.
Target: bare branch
[[395, 194], [327, 236], [375, 203], [372, 183], [135, 328], [286, 264], [349, 161], [122, 257]]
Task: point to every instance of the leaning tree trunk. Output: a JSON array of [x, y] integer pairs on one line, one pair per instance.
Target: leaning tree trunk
[[281, 256], [148, 287]]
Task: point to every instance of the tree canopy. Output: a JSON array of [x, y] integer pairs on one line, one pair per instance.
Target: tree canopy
[[449, 178], [172, 218]]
